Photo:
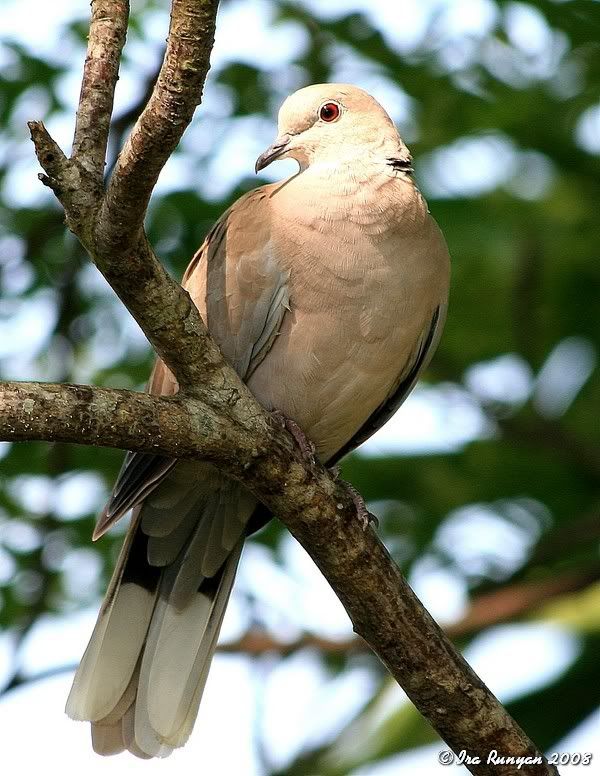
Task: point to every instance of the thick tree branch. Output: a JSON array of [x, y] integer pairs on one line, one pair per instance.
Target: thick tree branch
[[223, 421], [174, 426]]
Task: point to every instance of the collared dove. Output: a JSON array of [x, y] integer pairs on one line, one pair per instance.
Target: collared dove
[[327, 293]]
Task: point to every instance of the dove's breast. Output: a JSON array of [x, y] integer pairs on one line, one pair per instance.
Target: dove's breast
[[362, 296]]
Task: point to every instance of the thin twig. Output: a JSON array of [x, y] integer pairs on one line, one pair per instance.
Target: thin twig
[[108, 29], [176, 94]]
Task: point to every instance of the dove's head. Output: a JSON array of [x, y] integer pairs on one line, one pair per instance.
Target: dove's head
[[333, 123]]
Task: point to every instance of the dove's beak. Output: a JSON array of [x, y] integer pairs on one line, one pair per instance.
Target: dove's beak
[[274, 151]]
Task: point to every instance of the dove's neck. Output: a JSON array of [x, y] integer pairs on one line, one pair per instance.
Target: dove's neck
[[370, 192]]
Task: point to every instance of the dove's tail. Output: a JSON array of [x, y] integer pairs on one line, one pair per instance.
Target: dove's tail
[[141, 678]]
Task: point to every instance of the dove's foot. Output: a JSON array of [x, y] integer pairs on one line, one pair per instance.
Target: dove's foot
[[365, 517], [307, 448]]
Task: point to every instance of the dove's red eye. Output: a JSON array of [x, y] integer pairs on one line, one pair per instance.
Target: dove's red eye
[[330, 111]]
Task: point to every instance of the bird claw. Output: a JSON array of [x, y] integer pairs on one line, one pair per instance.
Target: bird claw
[[306, 446], [365, 517], [308, 450]]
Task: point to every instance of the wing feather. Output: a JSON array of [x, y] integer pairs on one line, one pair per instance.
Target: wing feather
[[406, 382], [235, 281]]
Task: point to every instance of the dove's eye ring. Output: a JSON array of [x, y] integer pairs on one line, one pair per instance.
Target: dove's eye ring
[[329, 112]]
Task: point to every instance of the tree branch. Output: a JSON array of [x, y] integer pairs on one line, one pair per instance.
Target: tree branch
[[177, 92], [110, 226], [215, 405], [174, 426], [108, 29]]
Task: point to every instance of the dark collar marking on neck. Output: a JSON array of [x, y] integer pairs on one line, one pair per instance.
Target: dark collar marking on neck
[[402, 165]]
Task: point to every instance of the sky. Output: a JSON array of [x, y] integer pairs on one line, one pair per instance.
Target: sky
[[299, 702]]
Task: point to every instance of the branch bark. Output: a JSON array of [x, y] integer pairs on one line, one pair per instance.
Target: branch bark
[[108, 29], [175, 426], [157, 132], [214, 415]]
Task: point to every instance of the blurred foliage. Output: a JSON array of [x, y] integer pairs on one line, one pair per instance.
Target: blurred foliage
[[503, 119]]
